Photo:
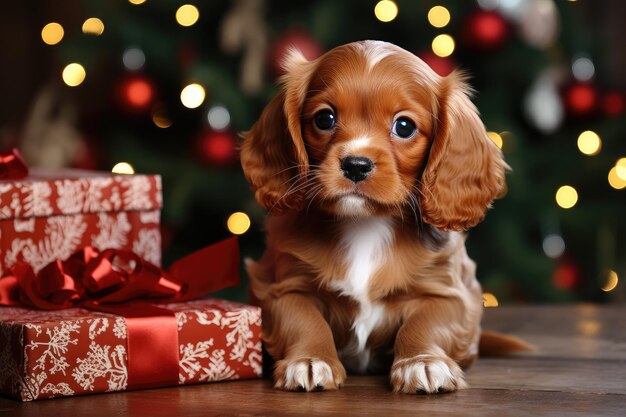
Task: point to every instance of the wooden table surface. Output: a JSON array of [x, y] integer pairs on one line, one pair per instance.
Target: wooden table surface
[[579, 370]]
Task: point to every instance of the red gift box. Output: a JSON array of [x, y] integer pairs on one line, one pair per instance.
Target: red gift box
[[50, 215], [46, 354]]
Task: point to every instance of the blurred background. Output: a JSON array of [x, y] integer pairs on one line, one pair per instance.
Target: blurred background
[[164, 86]]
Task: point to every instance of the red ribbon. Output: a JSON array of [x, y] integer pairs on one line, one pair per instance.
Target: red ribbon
[[120, 282], [12, 165]]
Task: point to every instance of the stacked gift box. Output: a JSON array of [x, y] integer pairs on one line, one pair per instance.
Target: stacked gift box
[[47, 218]]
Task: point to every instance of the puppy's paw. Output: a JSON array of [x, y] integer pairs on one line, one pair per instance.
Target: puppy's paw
[[426, 374], [308, 374]]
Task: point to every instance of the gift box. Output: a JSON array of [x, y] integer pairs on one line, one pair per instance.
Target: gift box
[[74, 351], [49, 215]]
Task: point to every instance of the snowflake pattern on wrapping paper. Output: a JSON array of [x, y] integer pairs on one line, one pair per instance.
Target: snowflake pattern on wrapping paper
[[63, 237], [218, 369], [241, 336], [112, 231], [56, 347], [97, 326], [189, 359], [148, 245], [137, 195], [102, 362], [119, 328]]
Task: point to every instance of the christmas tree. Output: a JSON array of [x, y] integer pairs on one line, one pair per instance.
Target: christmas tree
[[166, 86]]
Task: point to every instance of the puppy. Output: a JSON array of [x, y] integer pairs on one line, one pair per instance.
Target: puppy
[[370, 165]]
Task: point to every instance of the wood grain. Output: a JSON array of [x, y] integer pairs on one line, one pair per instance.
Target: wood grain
[[579, 369]]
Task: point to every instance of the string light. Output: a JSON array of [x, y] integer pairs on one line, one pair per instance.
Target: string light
[[74, 74], [187, 15], [192, 96], [238, 223], [611, 282], [443, 45], [386, 10], [218, 117], [52, 33], [620, 168], [496, 138], [136, 2], [438, 16], [615, 180], [566, 197], [123, 168], [93, 26], [489, 300], [589, 143]]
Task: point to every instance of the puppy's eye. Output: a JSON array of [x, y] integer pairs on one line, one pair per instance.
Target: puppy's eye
[[403, 128], [325, 119]]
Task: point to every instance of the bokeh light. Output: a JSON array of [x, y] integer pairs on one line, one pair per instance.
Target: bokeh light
[[52, 33], [74, 74], [443, 45], [496, 138], [566, 196], [615, 180], [93, 26], [187, 15], [620, 168], [438, 16], [136, 2], [139, 93], [238, 223], [123, 168], [589, 143], [192, 96], [489, 300], [583, 68], [553, 246], [160, 117], [386, 10]]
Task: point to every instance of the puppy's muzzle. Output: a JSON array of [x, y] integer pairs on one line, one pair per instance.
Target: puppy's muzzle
[[356, 168]]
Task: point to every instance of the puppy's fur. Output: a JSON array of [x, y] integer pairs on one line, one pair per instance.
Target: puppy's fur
[[370, 275]]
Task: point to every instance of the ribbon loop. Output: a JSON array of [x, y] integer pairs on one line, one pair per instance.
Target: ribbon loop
[[12, 165]]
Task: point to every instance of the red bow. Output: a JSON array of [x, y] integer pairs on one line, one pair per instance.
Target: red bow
[[116, 281], [12, 165]]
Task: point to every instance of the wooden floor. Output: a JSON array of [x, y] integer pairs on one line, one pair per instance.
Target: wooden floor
[[579, 370]]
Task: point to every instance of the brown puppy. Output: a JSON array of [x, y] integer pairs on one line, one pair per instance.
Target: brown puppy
[[370, 164]]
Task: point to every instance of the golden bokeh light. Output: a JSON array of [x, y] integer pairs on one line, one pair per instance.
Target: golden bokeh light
[[136, 2], [386, 10], [589, 143], [496, 138], [238, 223], [566, 197], [123, 168], [192, 96], [611, 281], [74, 74], [443, 45], [160, 118], [439, 16], [620, 168], [187, 15], [615, 180], [93, 26], [52, 33], [489, 300]]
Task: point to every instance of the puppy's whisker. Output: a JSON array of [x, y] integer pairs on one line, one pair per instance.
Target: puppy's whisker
[[313, 198]]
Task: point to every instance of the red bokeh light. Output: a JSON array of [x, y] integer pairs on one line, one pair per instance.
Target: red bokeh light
[[580, 98], [138, 93], [613, 104], [218, 147]]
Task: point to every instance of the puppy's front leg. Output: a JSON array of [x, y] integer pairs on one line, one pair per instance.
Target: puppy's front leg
[[299, 338], [424, 346]]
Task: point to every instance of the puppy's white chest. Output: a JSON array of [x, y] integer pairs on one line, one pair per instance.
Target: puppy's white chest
[[367, 244]]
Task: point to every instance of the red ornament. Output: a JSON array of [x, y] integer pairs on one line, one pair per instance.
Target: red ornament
[[442, 66], [295, 39], [613, 104], [218, 148], [485, 31], [565, 276], [136, 93], [580, 99]]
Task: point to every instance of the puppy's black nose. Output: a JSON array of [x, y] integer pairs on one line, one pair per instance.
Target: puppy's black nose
[[356, 168]]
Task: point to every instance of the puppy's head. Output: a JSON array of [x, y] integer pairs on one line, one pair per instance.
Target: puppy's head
[[369, 129]]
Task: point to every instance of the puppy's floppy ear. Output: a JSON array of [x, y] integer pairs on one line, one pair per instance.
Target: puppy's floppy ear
[[465, 169], [273, 155]]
